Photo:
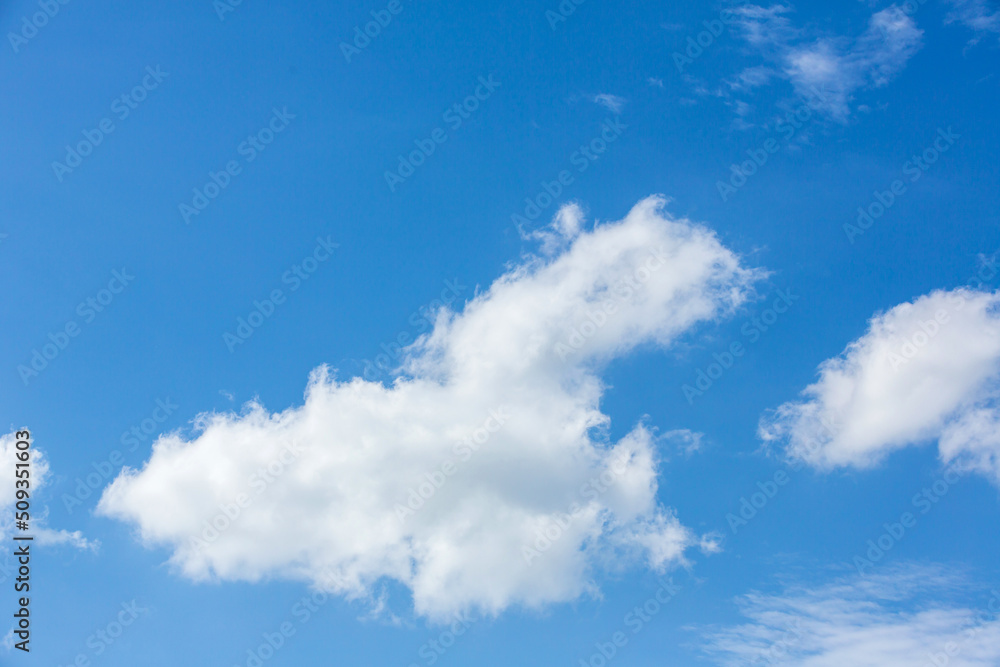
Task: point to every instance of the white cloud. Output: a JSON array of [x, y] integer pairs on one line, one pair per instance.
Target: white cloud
[[977, 15], [752, 77], [972, 442], [686, 442], [924, 370], [766, 27], [39, 475], [611, 102], [742, 108], [896, 618], [828, 71], [566, 225], [527, 350]]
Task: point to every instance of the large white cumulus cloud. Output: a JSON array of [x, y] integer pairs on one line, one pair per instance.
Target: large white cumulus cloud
[[495, 419], [926, 370]]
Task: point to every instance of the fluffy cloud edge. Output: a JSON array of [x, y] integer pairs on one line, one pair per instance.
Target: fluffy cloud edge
[[924, 370]]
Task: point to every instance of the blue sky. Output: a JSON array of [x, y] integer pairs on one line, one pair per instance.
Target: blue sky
[[207, 205]]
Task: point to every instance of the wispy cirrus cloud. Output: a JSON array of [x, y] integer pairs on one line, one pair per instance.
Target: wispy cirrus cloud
[[610, 102], [901, 617], [825, 70], [979, 16]]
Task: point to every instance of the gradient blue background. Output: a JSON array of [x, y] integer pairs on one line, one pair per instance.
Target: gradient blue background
[[162, 337]]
